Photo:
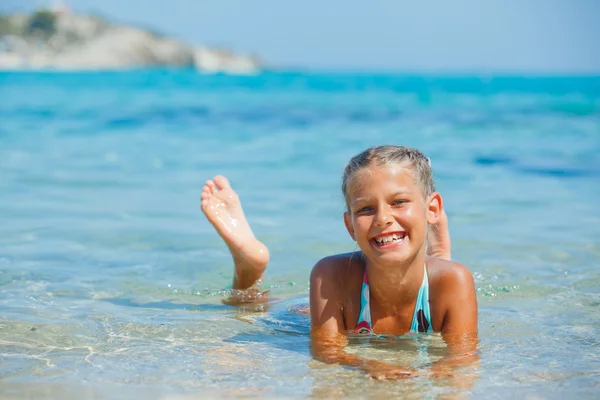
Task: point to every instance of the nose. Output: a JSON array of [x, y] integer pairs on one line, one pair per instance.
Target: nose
[[383, 218]]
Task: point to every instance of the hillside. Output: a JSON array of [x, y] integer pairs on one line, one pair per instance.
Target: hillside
[[47, 40]]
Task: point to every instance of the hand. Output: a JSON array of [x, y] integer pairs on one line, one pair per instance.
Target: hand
[[381, 371]]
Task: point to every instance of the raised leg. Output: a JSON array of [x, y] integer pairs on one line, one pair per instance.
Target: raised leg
[[438, 239], [223, 209]]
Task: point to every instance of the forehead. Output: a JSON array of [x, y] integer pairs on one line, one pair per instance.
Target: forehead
[[388, 178]]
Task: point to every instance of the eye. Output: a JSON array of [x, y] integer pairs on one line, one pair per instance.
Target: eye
[[364, 209], [398, 202]]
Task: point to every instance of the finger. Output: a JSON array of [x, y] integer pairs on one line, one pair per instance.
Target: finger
[[376, 376], [403, 373]]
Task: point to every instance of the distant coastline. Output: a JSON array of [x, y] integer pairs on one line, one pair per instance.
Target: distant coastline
[[58, 40]]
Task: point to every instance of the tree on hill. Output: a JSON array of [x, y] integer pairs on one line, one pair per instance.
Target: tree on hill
[[42, 22]]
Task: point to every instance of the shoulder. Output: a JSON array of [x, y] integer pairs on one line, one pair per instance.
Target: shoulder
[[337, 265], [333, 281], [450, 282], [452, 295], [446, 272], [339, 274]]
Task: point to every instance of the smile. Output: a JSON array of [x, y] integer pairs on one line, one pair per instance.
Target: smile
[[389, 239]]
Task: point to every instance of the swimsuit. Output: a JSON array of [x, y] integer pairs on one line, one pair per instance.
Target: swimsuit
[[421, 321]]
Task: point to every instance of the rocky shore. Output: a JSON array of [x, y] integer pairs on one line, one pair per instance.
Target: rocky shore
[[46, 40]]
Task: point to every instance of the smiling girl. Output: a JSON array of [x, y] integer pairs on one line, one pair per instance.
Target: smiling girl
[[400, 281]]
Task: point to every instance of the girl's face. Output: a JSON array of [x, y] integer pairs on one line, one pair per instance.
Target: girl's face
[[388, 215]]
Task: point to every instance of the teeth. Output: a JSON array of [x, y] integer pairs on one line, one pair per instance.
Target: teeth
[[389, 238]]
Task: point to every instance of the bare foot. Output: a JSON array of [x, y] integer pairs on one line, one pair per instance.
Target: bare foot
[[223, 209], [438, 239]]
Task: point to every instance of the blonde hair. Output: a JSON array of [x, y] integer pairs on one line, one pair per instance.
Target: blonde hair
[[385, 155]]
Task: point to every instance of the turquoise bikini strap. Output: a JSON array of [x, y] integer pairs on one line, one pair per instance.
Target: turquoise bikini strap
[[421, 321]]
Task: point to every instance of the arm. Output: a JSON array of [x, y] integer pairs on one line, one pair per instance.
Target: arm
[[461, 314], [459, 329], [328, 330]]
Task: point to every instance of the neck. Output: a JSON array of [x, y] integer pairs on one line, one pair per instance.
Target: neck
[[396, 286]]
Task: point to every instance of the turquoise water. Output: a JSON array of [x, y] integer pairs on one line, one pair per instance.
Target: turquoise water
[[111, 280]]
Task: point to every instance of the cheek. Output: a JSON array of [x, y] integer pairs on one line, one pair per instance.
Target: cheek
[[410, 212], [361, 223], [417, 215]]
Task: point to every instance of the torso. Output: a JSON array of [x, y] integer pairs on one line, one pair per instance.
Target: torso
[[421, 320], [399, 322]]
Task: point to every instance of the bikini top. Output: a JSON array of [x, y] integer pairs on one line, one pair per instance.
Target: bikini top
[[421, 321]]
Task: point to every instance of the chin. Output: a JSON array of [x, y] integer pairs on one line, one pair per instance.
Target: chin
[[398, 255], [394, 260], [391, 258]]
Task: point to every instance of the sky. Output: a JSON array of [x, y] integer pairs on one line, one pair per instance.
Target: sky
[[523, 36]]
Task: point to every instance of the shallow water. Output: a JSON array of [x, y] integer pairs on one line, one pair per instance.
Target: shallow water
[[111, 280]]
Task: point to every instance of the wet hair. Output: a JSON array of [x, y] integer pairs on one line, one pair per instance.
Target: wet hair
[[385, 155]]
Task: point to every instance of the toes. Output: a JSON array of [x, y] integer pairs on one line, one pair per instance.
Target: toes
[[222, 182], [211, 186], [206, 192]]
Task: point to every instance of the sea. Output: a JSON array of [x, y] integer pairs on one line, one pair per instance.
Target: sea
[[112, 281]]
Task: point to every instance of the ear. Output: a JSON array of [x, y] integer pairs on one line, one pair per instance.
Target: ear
[[435, 206], [349, 226]]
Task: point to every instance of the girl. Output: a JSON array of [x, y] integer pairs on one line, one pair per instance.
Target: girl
[[395, 284]]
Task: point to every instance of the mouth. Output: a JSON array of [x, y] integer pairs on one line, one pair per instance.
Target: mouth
[[387, 240]]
